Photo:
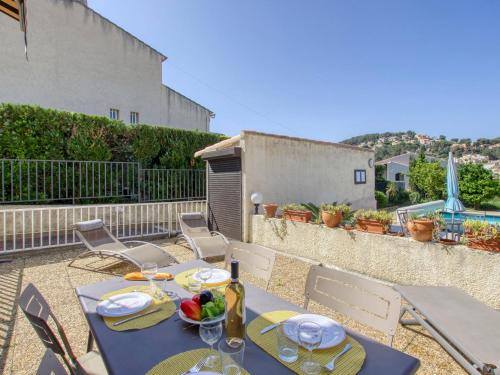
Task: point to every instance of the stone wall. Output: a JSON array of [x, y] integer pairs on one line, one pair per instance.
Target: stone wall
[[393, 259]]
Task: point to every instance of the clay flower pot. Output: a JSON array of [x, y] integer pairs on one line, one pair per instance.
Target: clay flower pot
[[331, 220], [421, 230], [492, 244], [270, 209], [370, 226], [447, 242], [300, 216]]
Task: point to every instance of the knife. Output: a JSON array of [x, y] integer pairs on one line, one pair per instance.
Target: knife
[[135, 317], [272, 326]]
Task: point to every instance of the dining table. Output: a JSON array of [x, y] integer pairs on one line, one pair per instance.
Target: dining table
[[135, 352]]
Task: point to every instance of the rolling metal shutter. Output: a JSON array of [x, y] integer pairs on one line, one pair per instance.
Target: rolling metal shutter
[[224, 196]]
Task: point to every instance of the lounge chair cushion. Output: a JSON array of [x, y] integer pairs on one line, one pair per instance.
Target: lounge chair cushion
[[85, 226]]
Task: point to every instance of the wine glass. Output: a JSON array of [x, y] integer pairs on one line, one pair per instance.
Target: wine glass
[[210, 333], [310, 335], [149, 270], [204, 274]]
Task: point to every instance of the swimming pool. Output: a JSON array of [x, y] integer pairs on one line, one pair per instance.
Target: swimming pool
[[493, 219]]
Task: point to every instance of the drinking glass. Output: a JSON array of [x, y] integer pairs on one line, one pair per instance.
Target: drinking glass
[[310, 335], [286, 338], [149, 270], [194, 285], [210, 333], [232, 351], [204, 274]]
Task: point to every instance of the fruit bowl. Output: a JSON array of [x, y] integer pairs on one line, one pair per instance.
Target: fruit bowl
[[183, 316]]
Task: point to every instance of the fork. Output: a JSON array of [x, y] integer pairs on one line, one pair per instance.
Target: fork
[[330, 366], [196, 368]]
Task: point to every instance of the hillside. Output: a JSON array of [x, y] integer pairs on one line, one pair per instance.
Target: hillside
[[389, 144]]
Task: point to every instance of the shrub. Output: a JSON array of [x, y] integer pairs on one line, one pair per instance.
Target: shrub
[[482, 229], [415, 197], [477, 184], [335, 208], [383, 217], [294, 207], [32, 132], [381, 199]]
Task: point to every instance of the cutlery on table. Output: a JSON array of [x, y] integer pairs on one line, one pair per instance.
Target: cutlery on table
[[135, 317], [330, 366], [272, 326], [196, 368]]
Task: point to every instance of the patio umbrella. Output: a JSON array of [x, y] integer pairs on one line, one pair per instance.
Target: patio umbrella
[[452, 204]]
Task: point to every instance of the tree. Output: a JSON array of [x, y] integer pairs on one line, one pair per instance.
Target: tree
[[427, 178], [477, 184]]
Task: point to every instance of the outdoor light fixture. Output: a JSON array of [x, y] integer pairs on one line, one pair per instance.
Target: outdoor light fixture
[[256, 199], [370, 163]]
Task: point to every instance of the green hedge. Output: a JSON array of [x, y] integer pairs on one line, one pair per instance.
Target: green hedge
[[32, 132]]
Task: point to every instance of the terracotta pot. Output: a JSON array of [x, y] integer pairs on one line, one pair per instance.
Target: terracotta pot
[[348, 227], [447, 242], [480, 244], [270, 209], [396, 234], [421, 230], [370, 226], [331, 220], [301, 216]]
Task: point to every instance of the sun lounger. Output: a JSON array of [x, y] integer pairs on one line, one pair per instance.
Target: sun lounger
[[99, 241], [467, 329], [204, 242]]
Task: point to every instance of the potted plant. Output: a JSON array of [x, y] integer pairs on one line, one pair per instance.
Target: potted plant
[[482, 235], [270, 209], [373, 221], [296, 212], [425, 227], [332, 214]]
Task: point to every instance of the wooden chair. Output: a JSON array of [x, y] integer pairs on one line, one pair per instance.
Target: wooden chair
[[364, 300], [39, 314], [50, 365], [254, 259]]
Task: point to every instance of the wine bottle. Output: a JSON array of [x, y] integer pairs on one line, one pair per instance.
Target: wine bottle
[[235, 304]]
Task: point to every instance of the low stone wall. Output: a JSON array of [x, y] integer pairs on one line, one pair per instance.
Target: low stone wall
[[393, 259]]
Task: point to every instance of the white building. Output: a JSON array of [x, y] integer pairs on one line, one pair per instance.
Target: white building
[[80, 61]]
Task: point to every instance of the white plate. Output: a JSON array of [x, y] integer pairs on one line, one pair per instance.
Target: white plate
[[218, 276], [124, 304], [183, 316], [208, 373], [333, 332]]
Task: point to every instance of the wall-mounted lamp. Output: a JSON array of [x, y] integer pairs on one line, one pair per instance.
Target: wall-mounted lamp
[[256, 199]]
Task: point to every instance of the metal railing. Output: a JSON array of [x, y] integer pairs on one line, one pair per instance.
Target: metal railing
[[172, 184], [33, 228], [43, 181]]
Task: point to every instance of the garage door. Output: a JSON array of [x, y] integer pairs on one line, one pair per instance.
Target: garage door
[[224, 196]]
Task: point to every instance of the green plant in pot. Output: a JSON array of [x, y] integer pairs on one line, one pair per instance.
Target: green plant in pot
[[332, 214], [373, 221], [425, 227], [296, 212], [482, 235]]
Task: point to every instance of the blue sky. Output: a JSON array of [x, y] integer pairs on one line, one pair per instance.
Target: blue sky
[[329, 69]]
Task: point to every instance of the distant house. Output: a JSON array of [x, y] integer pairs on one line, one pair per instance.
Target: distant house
[[396, 168], [80, 61]]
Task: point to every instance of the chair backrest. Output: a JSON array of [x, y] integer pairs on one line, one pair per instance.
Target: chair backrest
[[403, 219], [38, 313], [193, 224], [254, 259], [95, 236], [50, 365], [364, 300]]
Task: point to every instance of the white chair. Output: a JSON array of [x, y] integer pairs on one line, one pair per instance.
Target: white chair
[[364, 300]]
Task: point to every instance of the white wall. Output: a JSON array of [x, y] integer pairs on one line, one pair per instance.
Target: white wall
[[183, 112], [81, 62], [288, 170]]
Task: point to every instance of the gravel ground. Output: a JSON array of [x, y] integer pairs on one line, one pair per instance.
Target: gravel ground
[[21, 349]]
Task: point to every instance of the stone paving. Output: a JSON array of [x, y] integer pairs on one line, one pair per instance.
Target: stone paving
[[21, 349]]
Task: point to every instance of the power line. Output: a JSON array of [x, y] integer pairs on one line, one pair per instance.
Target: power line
[[230, 97]]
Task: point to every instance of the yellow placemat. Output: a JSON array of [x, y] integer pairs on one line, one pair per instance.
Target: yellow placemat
[[349, 363], [182, 279], [182, 362], [166, 305]]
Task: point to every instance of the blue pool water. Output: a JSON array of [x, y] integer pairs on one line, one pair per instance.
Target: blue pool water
[[493, 219]]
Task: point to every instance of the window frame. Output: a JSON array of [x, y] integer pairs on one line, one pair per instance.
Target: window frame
[[136, 117], [116, 111], [362, 176]]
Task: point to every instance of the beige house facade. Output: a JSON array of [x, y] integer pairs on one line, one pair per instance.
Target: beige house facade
[[79, 61]]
